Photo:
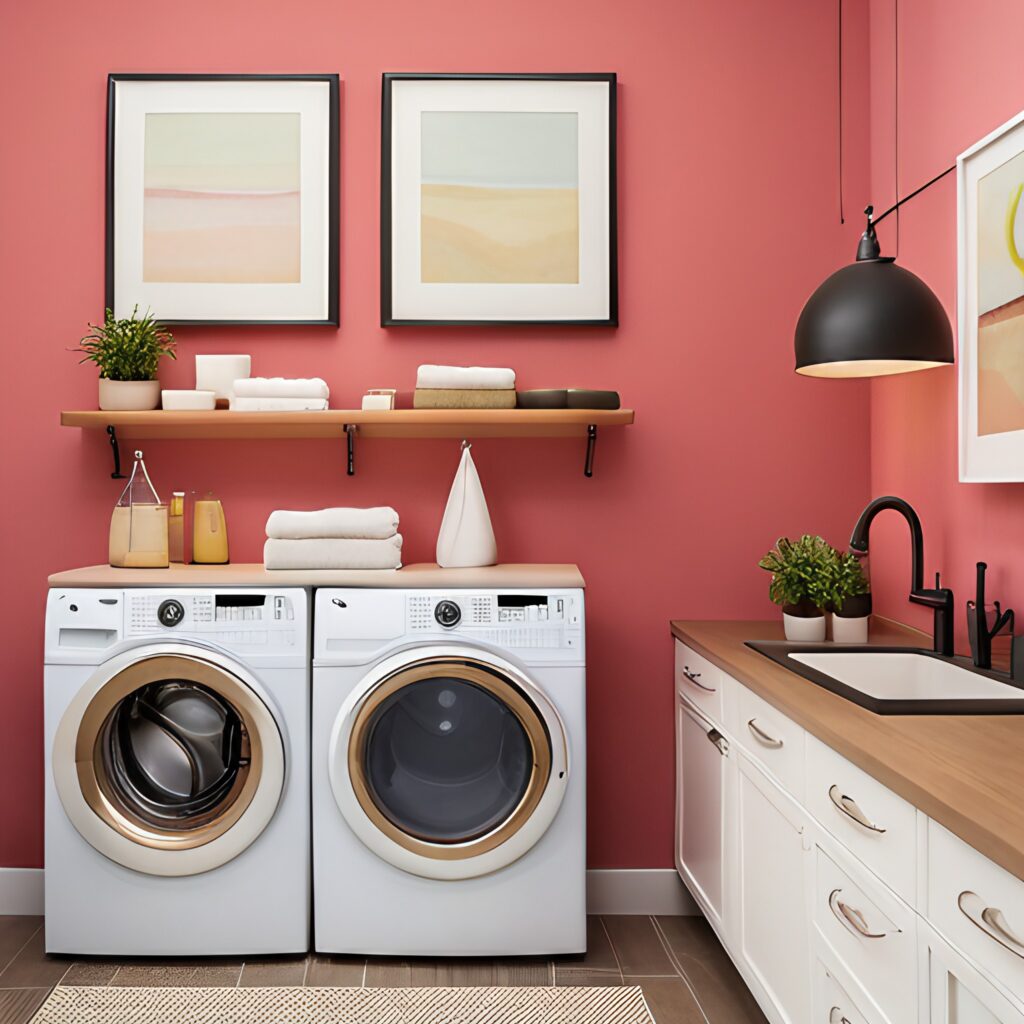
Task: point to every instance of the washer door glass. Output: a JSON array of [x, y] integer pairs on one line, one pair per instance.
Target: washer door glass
[[449, 752], [173, 753], [168, 751]]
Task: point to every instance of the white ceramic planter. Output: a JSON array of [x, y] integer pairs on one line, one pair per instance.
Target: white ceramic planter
[[121, 395], [804, 630], [850, 631]]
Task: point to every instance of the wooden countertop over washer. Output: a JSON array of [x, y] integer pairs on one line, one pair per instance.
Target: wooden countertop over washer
[[966, 772], [424, 575]]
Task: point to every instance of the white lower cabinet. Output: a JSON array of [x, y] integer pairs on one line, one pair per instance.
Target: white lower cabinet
[[812, 873], [771, 924], [702, 754], [954, 990]]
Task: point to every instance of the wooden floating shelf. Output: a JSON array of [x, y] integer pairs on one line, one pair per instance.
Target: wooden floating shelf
[[349, 423], [468, 423]]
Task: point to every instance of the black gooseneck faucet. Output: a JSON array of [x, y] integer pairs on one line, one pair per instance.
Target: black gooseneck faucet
[[938, 598]]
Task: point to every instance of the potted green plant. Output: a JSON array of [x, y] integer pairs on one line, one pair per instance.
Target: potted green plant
[[801, 583], [127, 353], [850, 599]]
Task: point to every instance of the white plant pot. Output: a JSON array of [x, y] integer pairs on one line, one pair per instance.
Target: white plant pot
[[850, 630], [803, 630], [120, 395]]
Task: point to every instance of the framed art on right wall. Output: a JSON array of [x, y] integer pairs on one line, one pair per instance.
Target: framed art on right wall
[[990, 274], [498, 199]]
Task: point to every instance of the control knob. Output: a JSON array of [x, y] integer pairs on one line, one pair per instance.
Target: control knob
[[170, 612], [448, 613]]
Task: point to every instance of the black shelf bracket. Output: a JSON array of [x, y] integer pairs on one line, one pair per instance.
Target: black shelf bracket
[[350, 435], [588, 462], [116, 451]]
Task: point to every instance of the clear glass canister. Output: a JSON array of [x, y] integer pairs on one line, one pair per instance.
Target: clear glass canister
[[138, 527]]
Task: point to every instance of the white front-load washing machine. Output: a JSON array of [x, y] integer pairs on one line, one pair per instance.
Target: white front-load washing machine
[[449, 772], [177, 771]]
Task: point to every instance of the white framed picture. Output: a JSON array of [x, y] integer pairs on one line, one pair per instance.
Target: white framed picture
[[498, 199], [222, 198], [990, 283]]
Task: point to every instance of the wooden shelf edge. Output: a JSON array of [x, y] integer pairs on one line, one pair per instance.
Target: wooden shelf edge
[[409, 423]]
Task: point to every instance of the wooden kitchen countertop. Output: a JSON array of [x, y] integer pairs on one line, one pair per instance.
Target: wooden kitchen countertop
[[252, 574], [966, 772]]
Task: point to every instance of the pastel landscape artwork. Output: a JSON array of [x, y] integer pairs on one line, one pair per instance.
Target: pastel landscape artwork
[[222, 198], [499, 197], [1001, 299]]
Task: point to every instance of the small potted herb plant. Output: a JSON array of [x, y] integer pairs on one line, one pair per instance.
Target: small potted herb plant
[[127, 353], [850, 600], [801, 583]]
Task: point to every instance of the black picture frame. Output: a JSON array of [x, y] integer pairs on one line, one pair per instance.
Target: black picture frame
[[333, 82], [387, 319]]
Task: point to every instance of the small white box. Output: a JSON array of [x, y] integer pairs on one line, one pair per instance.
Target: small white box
[[218, 373], [195, 400], [379, 398]]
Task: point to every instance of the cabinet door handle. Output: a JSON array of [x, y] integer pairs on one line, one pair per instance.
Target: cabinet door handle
[[719, 741], [850, 808], [694, 677], [836, 1016], [762, 737], [851, 918], [991, 921]]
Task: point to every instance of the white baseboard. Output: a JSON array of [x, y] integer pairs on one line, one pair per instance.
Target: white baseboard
[[638, 891], [624, 891], [21, 890]]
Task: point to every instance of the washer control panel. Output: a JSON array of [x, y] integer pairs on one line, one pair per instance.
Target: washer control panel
[[249, 617], [511, 619]]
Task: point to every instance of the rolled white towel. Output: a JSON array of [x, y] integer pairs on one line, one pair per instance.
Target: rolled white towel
[[281, 387], [483, 378], [333, 553], [339, 523], [267, 404]]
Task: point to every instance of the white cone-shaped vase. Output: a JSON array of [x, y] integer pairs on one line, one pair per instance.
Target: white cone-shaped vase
[[466, 538]]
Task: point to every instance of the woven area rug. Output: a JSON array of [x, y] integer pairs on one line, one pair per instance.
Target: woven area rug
[[566, 1005]]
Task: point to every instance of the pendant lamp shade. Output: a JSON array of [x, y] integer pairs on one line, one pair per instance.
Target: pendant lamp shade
[[872, 319]]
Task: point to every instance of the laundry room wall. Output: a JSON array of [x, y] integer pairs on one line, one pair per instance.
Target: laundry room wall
[[959, 79], [729, 217]]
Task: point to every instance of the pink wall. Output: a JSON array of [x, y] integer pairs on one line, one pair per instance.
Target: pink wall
[[728, 220], [959, 78]]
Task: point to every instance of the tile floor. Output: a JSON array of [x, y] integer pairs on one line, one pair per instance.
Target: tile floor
[[683, 971]]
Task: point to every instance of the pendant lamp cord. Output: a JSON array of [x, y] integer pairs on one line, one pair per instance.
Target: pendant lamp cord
[[842, 218], [917, 191], [896, 115]]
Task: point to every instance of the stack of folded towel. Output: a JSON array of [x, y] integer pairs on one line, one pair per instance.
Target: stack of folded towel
[[333, 538], [279, 394], [465, 387]]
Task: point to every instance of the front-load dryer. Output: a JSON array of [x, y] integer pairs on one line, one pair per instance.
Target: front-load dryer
[[449, 772], [177, 771]]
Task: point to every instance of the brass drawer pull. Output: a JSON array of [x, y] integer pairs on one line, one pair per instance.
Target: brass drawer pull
[[849, 807], [762, 737], [694, 677], [991, 921], [851, 918], [836, 1016]]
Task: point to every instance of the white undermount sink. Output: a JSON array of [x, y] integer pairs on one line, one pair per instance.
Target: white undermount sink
[[899, 681]]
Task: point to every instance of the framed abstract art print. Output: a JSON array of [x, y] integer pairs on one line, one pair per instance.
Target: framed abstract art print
[[498, 199], [222, 198], [990, 184]]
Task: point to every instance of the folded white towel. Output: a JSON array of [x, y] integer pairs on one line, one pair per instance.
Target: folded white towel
[[339, 523], [281, 387], [484, 378], [333, 553], [267, 404]]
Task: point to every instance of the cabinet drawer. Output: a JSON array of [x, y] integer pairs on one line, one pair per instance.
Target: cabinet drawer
[[700, 682], [772, 738], [872, 821], [871, 933], [832, 1003], [978, 906]]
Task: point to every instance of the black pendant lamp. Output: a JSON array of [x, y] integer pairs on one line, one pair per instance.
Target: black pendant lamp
[[873, 318]]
